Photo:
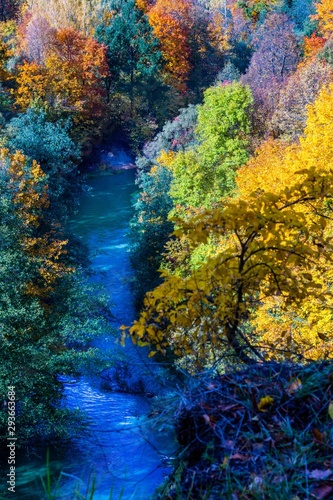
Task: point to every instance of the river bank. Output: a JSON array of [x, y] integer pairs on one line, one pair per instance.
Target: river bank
[[263, 432], [122, 449]]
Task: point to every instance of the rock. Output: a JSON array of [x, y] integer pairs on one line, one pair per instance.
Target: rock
[[120, 378]]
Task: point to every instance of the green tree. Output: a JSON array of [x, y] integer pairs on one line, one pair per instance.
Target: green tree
[[150, 226], [150, 229], [51, 146], [204, 174], [133, 51]]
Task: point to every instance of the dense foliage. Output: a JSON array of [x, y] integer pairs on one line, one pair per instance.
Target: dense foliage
[[47, 314], [229, 106], [247, 269]]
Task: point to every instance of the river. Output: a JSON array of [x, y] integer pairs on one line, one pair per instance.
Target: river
[[122, 452]]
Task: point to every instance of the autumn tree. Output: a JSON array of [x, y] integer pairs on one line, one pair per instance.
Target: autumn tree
[[275, 58], [30, 201], [209, 43], [171, 23], [265, 254], [313, 45], [144, 5], [81, 15], [70, 82], [273, 243], [304, 328], [194, 40]]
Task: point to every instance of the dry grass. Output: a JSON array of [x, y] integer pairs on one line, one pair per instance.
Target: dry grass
[[261, 433]]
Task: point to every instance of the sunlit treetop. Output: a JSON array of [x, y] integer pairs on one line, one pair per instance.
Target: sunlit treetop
[[275, 244], [172, 22], [324, 16], [81, 15]]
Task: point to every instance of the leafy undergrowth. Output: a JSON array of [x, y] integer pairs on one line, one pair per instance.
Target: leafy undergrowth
[[262, 433]]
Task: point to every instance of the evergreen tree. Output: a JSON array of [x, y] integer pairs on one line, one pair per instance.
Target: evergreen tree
[[133, 51]]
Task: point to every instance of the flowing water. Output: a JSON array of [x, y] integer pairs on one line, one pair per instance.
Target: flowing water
[[122, 453]]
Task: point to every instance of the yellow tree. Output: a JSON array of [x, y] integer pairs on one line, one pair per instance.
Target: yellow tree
[[324, 16], [308, 328], [32, 84], [27, 183], [144, 5], [272, 263]]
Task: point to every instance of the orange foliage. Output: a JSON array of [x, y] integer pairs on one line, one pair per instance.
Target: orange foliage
[[71, 77], [313, 44], [144, 5], [171, 21], [219, 31], [32, 81]]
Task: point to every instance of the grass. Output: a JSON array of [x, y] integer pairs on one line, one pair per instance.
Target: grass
[[239, 447], [52, 488]]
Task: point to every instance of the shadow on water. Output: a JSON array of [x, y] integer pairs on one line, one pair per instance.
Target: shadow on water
[[120, 450]]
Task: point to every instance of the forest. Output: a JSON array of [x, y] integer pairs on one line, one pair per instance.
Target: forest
[[226, 108]]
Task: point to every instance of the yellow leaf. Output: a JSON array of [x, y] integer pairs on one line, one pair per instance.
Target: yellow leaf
[[330, 409], [265, 402], [151, 354]]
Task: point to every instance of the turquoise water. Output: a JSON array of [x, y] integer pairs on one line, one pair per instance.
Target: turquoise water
[[102, 223], [122, 452]]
